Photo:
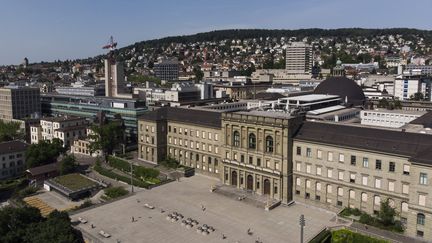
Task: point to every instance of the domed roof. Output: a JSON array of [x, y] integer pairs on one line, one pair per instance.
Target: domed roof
[[344, 87]]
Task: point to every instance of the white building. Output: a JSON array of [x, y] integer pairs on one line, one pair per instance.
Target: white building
[[405, 87], [299, 59], [65, 128], [388, 118]]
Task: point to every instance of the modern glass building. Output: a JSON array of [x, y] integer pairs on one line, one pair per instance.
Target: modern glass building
[[89, 107]]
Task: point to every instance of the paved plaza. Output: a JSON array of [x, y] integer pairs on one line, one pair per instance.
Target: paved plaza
[[192, 198]]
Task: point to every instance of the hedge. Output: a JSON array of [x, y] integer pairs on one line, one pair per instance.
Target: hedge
[[347, 236], [113, 175], [138, 171]]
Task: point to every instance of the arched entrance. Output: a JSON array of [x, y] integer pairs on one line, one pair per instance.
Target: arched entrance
[[249, 182], [266, 187], [234, 178]]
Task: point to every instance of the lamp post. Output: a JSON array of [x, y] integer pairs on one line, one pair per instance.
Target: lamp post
[[131, 176], [302, 223]]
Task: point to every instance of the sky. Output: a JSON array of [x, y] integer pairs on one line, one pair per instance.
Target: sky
[[47, 30]]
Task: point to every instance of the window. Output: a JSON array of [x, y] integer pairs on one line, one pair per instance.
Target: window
[[406, 169], [353, 159], [377, 183], [268, 163], [242, 158], [250, 160], [298, 166], [308, 152], [404, 207], [341, 157], [318, 170], [365, 162], [352, 177], [422, 200], [252, 141], [391, 185], [209, 135], [236, 139], [269, 144], [277, 167], [405, 188], [341, 175], [308, 169], [420, 219], [318, 186], [258, 162], [308, 183], [329, 188], [340, 191], [364, 197], [329, 173], [319, 154], [317, 197], [423, 179], [378, 164], [392, 166], [352, 194], [364, 180], [420, 233], [330, 156], [298, 181], [377, 200], [298, 149], [216, 136]]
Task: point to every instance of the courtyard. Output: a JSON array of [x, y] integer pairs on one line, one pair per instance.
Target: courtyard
[[132, 220]]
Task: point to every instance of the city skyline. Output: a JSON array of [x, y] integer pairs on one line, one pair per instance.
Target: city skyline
[[50, 30]]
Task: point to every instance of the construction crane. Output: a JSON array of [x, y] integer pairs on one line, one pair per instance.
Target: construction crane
[[111, 44]]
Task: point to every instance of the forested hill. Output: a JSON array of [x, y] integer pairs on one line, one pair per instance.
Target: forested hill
[[219, 35]]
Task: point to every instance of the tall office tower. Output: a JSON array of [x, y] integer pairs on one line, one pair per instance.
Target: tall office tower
[[18, 102], [167, 69], [299, 58], [114, 78]]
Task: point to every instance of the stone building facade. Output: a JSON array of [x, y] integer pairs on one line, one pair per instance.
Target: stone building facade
[[193, 137], [285, 158], [257, 152], [12, 159], [339, 166]]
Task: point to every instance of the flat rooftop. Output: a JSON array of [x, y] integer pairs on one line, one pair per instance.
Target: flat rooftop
[[312, 97], [228, 216], [326, 110], [408, 112], [267, 113]]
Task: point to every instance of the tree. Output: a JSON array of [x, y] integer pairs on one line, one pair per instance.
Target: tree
[[397, 104], [44, 152], [386, 213], [67, 164], [106, 138], [199, 74], [10, 131], [25, 224], [114, 192], [417, 96], [383, 103]]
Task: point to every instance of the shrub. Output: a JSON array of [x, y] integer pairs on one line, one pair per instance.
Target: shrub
[[138, 171], [347, 236], [114, 192], [115, 176], [27, 191], [170, 163]]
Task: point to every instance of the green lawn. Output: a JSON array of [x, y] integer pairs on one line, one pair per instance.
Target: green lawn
[[74, 181]]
